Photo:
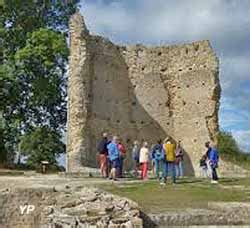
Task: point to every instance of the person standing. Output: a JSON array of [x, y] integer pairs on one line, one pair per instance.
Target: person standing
[[169, 160], [213, 161], [113, 153], [203, 166], [103, 153], [135, 157], [144, 159], [156, 155], [208, 150], [179, 160], [122, 156]]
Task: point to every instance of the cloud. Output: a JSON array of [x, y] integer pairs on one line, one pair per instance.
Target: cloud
[[224, 22]]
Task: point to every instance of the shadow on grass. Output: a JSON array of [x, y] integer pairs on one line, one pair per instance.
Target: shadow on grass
[[188, 181]]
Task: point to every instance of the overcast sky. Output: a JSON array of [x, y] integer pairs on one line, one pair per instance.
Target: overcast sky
[[226, 23]]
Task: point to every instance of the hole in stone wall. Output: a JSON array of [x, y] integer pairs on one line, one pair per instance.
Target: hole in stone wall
[[134, 86], [180, 69], [168, 123], [187, 86], [118, 121], [196, 47], [197, 122], [139, 52], [178, 87], [134, 103], [195, 140], [204, 66], [108, 119], [106, 80], [203, 83], [142, 122], [186, 50], [163, 69], [167, 104], [127, 67], [143, 68], [159, 53], [198, 102], [160, 104], [89, 95], [184, 103], [190, 68]]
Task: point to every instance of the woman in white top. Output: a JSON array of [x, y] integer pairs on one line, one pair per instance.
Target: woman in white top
[[144, 159]]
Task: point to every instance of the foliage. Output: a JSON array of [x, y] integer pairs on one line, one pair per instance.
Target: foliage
[[19, 17], [3, 153], [229, 150], [41, 67], [33, 58], [41, 144]]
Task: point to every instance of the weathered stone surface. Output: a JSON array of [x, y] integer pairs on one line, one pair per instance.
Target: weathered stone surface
[[142, 93], [217, 214], [85, 207]]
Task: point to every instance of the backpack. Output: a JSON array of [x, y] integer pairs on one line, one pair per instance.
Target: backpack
[[158, 154]]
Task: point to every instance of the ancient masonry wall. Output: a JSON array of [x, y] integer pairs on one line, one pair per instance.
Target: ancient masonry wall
[[140, 93]]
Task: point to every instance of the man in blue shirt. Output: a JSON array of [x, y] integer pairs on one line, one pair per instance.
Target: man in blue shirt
[[213, 161], [113, 152]]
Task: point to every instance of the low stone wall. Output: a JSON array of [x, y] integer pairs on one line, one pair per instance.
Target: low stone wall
[[217, 214], [63, 207]]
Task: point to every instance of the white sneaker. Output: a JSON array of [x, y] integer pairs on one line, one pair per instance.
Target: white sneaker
[[162, 183], [214, 182]]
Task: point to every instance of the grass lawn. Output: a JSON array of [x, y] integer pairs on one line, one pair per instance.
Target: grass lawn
[[187, 193]]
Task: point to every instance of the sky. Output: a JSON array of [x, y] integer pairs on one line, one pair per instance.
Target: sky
[[226, 23]]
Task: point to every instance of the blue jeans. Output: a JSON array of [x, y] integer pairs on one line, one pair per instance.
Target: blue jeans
[[157, 164], [169, 166], [179, 169]]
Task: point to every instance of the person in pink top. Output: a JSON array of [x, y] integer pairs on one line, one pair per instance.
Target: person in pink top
[[144, 159]]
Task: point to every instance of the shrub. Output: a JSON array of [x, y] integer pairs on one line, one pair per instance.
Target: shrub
[[41, 144]]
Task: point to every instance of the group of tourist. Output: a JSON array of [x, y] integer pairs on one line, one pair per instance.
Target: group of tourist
[[166, 157]]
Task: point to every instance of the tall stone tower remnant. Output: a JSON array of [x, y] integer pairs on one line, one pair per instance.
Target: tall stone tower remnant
[[139, 92]]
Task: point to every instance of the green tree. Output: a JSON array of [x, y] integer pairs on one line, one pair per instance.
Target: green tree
[[33, 58], [227, 144], [41, 66], [41, 144], [230, 150]]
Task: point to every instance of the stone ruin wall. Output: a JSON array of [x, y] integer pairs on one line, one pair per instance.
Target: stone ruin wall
[[142, 93]]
